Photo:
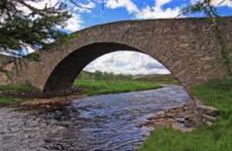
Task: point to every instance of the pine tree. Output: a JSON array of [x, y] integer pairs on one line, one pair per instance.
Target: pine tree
[[22, 24]]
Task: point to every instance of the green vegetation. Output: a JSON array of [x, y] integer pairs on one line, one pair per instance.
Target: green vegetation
[[102, 83], [19, 28], [8, 100], [14, 90], [24, 88], [90, 84], [92, 87], [217, 93]]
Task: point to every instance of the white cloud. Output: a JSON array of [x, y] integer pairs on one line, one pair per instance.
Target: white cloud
[[222, 3], [157, 11], [127, 62], [127, 4], [74, 23], [39, 5], [154, 12], [43, 3], [82, 7]]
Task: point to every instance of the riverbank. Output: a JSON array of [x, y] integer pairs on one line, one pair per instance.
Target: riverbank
[[217, 93], [87, 84], [114, 122], [15, 96]]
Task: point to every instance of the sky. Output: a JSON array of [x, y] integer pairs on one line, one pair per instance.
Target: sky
[[116, 10], [95, 12]]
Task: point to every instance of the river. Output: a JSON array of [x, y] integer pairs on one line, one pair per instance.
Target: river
[[111, 122]]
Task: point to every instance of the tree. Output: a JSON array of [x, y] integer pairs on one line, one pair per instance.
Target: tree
[[23, 24]]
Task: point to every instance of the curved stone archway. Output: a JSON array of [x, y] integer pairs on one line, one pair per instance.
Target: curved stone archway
[[187, 47], [64, 74]]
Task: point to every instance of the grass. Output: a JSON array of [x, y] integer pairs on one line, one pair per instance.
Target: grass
[[14, 89], [90, 84], [8, 100], [217, 93], [94, 87], [104, 83]]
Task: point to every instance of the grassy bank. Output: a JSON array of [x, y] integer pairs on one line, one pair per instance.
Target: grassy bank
[[104, 83], [10, 90], [90, 84], [23, 88], [93, 87], [217, 93], [8, 100]]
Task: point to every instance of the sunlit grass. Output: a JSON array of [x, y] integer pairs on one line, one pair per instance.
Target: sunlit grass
[[217, 93], [104, 83], [94, 87]]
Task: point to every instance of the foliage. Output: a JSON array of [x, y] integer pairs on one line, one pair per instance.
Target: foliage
[[216, 138], [205, 6], [24, 24]]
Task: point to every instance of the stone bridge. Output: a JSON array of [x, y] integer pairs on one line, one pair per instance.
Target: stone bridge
[[187, 47]]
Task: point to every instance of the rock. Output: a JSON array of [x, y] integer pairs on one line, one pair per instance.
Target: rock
[[208, 114], [209, 118], [208, 123], [207, 110]]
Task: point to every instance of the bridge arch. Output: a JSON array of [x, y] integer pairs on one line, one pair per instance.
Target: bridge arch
[[187, 47], [64, 74]]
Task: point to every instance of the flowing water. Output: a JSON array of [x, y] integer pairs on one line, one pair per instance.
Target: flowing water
[[111, 122]]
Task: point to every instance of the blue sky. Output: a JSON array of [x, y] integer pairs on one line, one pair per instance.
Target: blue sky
[[115, 10]]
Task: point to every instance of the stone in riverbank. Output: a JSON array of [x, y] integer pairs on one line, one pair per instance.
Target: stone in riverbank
[[182, 118], [185, 118], [208, 114]]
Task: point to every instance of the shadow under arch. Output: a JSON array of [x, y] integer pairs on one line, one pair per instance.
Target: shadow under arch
[[64, 74]]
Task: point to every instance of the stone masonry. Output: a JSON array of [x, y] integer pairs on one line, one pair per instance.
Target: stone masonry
[[187, 47]]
